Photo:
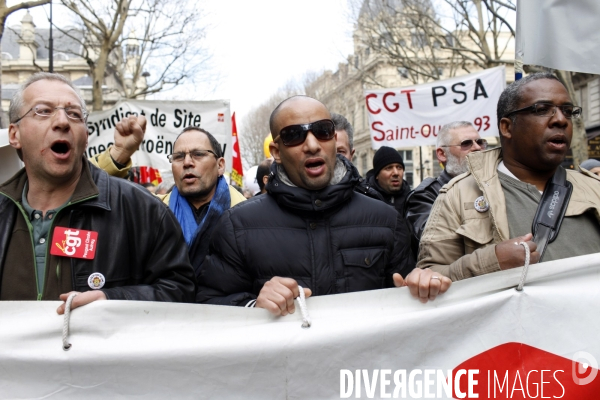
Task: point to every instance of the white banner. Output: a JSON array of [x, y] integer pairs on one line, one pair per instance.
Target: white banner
[[498, 343], [559, 34], [413, 115], [166, 119]]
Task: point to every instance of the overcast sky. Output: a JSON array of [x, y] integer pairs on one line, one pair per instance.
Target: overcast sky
[[260, 45]]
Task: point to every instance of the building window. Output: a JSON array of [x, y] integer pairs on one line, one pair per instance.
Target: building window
[[403, 72], [59, 56], [408, 177], [418, 39], [406, 154]]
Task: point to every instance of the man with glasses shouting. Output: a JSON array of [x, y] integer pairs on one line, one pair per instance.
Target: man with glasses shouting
[[517, 195], [201, 194], [310, 230], [454, 142], [69, 227]]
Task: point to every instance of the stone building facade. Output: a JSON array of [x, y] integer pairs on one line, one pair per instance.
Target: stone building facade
[[25, 52]]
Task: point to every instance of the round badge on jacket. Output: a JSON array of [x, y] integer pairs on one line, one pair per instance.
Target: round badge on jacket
[[96, 281], [481, 205]]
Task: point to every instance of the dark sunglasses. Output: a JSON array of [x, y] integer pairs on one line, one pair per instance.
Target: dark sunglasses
[[294, 135], [467, 144]]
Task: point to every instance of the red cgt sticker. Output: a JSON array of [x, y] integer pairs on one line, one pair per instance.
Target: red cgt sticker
[[75, 243]]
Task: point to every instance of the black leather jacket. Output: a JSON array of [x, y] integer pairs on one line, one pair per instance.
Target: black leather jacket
[[140, 250], [419, 204], [332, 240]]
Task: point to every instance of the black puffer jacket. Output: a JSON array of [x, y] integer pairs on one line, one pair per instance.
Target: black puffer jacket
[[370, 187], [140, 250], [331, 241]]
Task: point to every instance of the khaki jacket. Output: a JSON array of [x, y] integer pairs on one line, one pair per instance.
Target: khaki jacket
[[459, 241], [105, 162]]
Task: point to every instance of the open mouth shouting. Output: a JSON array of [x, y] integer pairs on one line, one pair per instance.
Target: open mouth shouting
[[314, 166], [558, 142], [189, 178], [61, 149]]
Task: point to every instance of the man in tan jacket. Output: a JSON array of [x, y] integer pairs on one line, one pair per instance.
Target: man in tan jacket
[[480, 218]]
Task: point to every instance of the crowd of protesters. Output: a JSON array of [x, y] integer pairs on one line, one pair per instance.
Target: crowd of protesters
[[72, 225]]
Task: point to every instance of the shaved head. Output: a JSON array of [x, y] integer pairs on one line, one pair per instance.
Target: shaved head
[[289, 102], [308, 164]]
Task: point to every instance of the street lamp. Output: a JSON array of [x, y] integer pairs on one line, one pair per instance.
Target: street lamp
[[51, 45]]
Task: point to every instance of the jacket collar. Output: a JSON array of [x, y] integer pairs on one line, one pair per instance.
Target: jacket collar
[[385, 196], [313, 200], [93, 186], [444, 178], [483, 166]]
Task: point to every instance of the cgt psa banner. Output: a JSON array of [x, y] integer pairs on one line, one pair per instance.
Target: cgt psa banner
[[165, 120], [413, 115]]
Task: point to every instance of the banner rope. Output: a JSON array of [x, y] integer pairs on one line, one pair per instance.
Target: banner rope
[[66, 321], [303, 310], [525, 267]]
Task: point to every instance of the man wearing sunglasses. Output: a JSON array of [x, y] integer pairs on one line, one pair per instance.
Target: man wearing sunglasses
[[454, 142], [311, 229], [69, 227], [484, 219]]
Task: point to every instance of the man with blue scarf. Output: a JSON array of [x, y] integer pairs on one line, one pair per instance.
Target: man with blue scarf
[[201, 194]]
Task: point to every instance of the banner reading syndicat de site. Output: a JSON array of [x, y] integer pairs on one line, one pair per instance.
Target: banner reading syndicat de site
[[165, 120], [414, 115]]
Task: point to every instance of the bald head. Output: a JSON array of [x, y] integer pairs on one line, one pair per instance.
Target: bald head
[[290, 104], [309, 160]]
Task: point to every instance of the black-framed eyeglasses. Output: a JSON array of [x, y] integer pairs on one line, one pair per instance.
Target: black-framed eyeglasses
[[294, 135], [548, 110], [197, 155], [468, 143], [75, 113]]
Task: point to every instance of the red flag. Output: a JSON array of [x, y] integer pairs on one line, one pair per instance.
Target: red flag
[[236, 166], [145, 174]]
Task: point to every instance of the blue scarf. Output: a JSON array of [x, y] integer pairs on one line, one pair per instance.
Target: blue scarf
[[197, 235]]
